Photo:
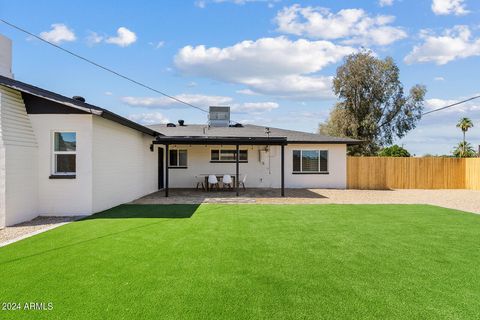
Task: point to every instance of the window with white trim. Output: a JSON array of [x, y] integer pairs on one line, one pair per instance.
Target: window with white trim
[[177, 158], [64, 153], [310, 161], [228, 155]]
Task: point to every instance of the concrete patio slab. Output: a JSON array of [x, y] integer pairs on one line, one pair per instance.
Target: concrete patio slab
[[466, 200]]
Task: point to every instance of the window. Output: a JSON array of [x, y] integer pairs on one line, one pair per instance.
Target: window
[[310, 161], [178, 159], [64, 153], [228, 155]]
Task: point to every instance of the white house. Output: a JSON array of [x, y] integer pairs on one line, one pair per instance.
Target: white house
[[63, 156]]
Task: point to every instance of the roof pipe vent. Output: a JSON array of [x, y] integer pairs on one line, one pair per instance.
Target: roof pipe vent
[[181, 123], [78, 98]]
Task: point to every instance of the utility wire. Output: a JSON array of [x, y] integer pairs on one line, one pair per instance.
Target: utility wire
[[102, 67], [451, 105]]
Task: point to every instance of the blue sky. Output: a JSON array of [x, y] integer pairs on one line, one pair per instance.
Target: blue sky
[[272, 61]]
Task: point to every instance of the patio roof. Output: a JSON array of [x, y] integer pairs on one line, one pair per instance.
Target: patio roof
[[248, 131], [221, 140]]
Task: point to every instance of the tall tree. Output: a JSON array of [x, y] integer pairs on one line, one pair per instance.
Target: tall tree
[[372, 105], [464, 124], [394, 151]]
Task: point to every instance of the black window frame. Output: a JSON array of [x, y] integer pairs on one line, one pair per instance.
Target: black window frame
[[243, 152], [323, 161], [177, 165], [70, 151]]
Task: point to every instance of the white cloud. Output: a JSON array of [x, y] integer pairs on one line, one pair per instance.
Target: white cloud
[[247, 92], [436, 133], [439, 79], [255, 107], [123, 38], [94, 38], [435, 103], [275, 66], [455, 43], [148, 118], [385, 3], [58, 34], [353, 26], [108, 93], [294, 86], [199, 100], [446, 7], [157, 45]]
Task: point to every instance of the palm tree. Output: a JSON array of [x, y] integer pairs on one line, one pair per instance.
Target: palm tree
[[464, 150], [464, 124]]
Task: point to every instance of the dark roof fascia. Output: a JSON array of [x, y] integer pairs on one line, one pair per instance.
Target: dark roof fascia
[[221, 140], [69, 102]]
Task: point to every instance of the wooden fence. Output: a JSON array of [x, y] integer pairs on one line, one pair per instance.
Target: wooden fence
[[413, 173]]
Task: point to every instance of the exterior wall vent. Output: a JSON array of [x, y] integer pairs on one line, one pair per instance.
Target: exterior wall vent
[[219, 116]]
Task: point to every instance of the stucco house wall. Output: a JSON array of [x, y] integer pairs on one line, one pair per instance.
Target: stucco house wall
[[64, 196], [337, 168], [124, 168], [263, 172]]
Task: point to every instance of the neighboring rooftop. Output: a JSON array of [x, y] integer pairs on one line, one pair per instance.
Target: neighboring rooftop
[[247, 131]]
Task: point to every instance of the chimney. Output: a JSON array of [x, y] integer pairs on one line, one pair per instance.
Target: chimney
[[6, 57]]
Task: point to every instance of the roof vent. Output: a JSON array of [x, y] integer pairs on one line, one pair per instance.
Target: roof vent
[[219, 116], [237, 125], [181, 123], [78, 98], [171, 125]]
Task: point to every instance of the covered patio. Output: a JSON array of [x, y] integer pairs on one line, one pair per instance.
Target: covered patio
[[168, 141]]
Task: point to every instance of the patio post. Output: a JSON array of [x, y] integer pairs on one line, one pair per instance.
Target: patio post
[[283, 170], [166, 170], [237, 169]]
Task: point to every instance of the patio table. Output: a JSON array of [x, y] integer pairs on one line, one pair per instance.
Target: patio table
[[219, 178]]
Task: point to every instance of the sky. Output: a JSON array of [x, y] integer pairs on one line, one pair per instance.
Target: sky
[[272, 61]]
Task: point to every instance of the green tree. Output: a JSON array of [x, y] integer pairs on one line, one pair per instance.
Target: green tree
[[464, 124], [372, 105], [464, 150], [394, 151]]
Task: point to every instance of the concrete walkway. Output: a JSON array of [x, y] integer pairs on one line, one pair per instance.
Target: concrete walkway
[[466, 200]]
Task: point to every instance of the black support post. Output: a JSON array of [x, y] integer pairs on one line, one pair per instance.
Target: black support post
[[167, 155], [283, 169], [237, 176]]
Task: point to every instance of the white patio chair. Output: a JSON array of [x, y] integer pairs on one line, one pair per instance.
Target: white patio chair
[[243, 182], [227, 181], [212, 181], [199, 182]]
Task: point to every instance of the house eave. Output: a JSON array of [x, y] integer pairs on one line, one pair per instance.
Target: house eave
[[221, 140]]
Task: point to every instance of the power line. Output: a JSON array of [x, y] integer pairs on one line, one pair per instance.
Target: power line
[[451, 105], [101, 66]]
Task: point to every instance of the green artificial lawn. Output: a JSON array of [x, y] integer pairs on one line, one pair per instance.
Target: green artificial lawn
[[251, 262]]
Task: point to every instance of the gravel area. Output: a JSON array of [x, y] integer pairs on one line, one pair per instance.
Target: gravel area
[[466, 200], [29, 228]]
